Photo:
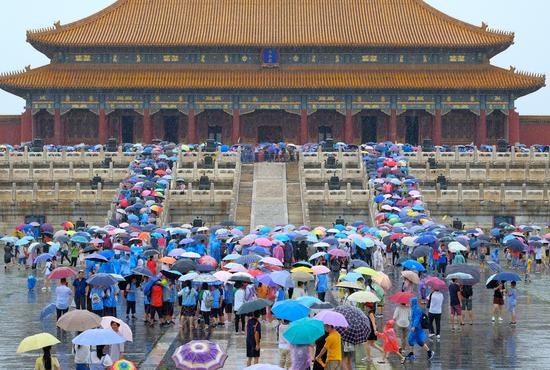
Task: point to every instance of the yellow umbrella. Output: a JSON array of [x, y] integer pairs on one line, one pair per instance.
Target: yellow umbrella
[[37, 341], [363, 296], [302, 269], [366, 271], [318, 232]]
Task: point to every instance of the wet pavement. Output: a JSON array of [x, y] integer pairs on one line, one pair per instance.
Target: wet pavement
[[482, 346]]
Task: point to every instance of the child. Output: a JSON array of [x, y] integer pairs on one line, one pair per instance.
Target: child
[[527, 268], [253, 337], [512, 301], [390, 342]]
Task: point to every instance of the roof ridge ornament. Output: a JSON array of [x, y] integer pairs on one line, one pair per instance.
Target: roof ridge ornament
[[57, 24]]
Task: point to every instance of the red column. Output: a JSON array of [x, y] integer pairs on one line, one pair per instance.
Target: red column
[[393, 126], [102, 127], [481, 137], [303, 127], [513, 127], [147, 127], [191, 127], [26, 125], [348, 127], [57, 128], [437, 127], [236, 129]]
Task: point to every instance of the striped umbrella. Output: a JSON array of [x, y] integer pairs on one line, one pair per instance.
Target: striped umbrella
[[199, 355]]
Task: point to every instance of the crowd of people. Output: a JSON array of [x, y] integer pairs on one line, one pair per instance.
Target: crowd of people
[[324, 287]]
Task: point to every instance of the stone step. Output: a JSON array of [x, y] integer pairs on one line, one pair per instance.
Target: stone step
[[244, 205], [269, 205], [294, 196]]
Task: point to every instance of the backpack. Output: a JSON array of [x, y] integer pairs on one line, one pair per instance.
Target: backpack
[[424, 321], [208, 300], [429, 301], [467, 291], [394, 247]]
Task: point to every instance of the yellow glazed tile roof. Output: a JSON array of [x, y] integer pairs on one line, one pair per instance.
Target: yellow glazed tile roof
[[274, 23], [162, 77]]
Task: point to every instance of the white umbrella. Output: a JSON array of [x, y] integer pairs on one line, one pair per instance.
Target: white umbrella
[[316, 255], [124, 330], [189, 276]]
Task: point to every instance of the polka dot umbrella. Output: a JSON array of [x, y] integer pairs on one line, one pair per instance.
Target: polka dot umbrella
[[359, 327]]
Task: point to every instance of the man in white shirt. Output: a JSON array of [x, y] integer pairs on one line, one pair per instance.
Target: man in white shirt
[[62, 298], [434, 312]]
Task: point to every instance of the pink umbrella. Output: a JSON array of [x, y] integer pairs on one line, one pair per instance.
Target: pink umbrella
[[436, 283], [236, 232], [62, 273], [263, 242], [271, 261], [246, 241], [222, 275], [332, 318], [338, 253], [320, 269], [209, 261]]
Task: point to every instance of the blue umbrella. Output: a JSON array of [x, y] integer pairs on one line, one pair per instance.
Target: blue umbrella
[[9, 239], [149, 284], [507, 276], [282, 237], [290, 310], [47, 311], [413, 265], [107, 254], [143, 271], [308, 300], [21, 242], [103, 280], [43, 258], [281, 278], [96, 257], [79, 239], [352, 276], [304, 331], [426, 239], [96, 337], [494, 266], [248, 259]]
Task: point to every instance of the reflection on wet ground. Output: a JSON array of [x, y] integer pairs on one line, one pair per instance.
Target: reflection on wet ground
[[482, 346]]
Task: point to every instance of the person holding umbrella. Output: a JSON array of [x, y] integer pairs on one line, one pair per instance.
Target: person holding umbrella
[[47, 361], [498, 301], [333, 349], [43, 341], [435, 309]]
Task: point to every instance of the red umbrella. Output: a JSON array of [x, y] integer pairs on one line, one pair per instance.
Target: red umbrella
[[436, 283], [397, 236], [402, 297], [62, 273], [120, 247], [160, 172], [255, 273], [209, 261]]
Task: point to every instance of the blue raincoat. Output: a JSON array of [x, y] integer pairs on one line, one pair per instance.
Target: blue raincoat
[[418, 337]]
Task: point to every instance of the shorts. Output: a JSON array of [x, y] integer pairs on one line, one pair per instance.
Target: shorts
[[251, 350], [188, 311], [333, 365], [146, 307], [538, 262], [228, 307], [499, 301], [215, 312], [168, 308], [456, 310], [263, 311], [467, 304], [482, 257]]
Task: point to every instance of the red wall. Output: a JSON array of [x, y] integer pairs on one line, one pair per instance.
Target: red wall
[[534, 130], [10, 131]]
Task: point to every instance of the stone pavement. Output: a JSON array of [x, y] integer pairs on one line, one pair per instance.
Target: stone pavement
[[482, 346], [269, 206]]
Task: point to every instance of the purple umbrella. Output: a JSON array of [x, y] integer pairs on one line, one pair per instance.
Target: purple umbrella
[[332, 318], [199, 355], [96, 257]]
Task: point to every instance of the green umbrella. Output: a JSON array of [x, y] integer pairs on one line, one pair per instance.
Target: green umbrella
[[253, 306], [304, 331]]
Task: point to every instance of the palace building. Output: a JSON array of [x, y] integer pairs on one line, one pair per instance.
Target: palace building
[[244, 71]]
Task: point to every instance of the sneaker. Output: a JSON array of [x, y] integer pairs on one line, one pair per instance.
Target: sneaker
[[493, 319], [431, 355], [431, 335], [366, 359], [43, 288], [500, 319], [438, 337]]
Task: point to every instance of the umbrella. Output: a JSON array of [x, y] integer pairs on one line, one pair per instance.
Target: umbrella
[[248, 259], [411, 276], [363, 296], [47, 311], [402, 297], [43, 258], [79, 320], [455, 247], [254, 305], [208, 261], [103, 280], [168, 260], [246, 278], [338, 253], [124, 330], [467, 269], [290, 310], [123, 364], [515, 245], [281, 278], [272, 261], [308, 300], [263, 367], [189, 255], [263, 242], [301, 276], [314, 256], [349, 285], [304, 331], [494, 266], [171, 274], [359, 263], [383, 280], [189, 276], [96, 257], [37, 341], [184, 266], [143, 271], [302, 263], [436, 283], [366, 271], [205, 268], [459, 276], [90, 249], [222, 276], [95, 337], [413, 265], [332, 318], [322, 306], [421, 251], [205, 278], [305, 269], [320, 269], [231, 257], [358, 330], [199, 355], [150, 252], [62, 273]]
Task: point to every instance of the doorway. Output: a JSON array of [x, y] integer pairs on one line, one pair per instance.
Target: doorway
[[369, 127], [411, 134], [270, 134], [171, 129], [325, 133], [215, 133], [127, 129]]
